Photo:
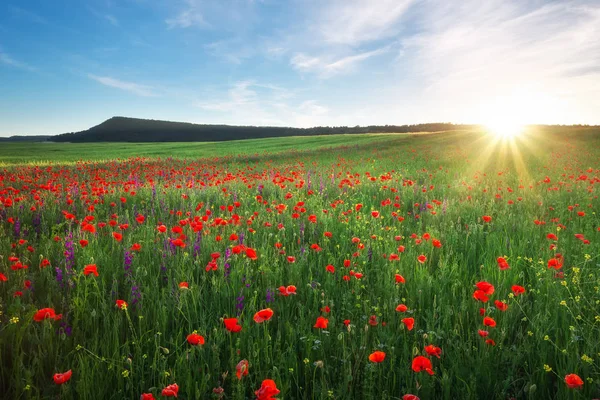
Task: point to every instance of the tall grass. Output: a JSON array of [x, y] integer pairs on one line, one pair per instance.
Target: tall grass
[[436, 185]]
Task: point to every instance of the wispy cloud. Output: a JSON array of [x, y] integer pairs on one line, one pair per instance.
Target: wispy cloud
[[336, 36], [135, 88], [112, 19], [190, 15], [234, 50], [264, 104], [28, 15], [328, 68], [239, 95], [11, 62], [353, 22]]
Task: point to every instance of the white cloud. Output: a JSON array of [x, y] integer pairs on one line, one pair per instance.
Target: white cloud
[[135, 88], [234, 51], [191, 15], [112, 19], [251, 103], [11, 62], [328, 68], [186, 19], [479, 52], [352, 22], [303, 62], [311, 107], [240, 95]]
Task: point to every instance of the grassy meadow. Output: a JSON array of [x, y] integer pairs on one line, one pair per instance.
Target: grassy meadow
[[444, 266]]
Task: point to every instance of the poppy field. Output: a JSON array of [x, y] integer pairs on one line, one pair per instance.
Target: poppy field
[[450, 265]]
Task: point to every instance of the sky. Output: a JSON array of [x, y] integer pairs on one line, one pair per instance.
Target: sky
[[67, 65]]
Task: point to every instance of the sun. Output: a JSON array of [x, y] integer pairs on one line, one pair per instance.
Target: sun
[[508, 114], [505, 129]]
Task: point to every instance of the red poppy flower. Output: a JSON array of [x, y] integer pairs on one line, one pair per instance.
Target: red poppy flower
[[251, 253], [136, 247], [409, 322], [422, 258], [555, 263], [61, 378], [46, 313], [487, 218], [483, 333], [184, 285], [502, 263], [480, 295], [231, 324], [489, 321], [291, 289], [400, 279], [170, 391], [3, 277], [573, 381], [517, 290], [194, 339], [291, 259], [267, 390], [178, 243], [551, 236], [90, 269], [373, 320], [377, 356], [147, 396], [485, 287], [330, 268], [121, 304], [433, 350], [88, 228], [321, 323], [241, 369], [421, 363], [118, 237], [500, 305], [401, 308], [263, 315], [83, 242], [410, 397], [490, 342]]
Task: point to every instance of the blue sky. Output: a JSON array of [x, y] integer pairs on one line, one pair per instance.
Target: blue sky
[[68, 65]]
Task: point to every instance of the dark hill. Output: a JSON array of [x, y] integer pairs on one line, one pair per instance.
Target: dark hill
[[122, 129]]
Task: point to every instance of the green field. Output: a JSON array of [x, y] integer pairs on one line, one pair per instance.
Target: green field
[[47, 152], [358, 224]]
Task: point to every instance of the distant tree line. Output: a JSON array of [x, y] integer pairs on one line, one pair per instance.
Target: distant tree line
[[32, 138], [121, 129]]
